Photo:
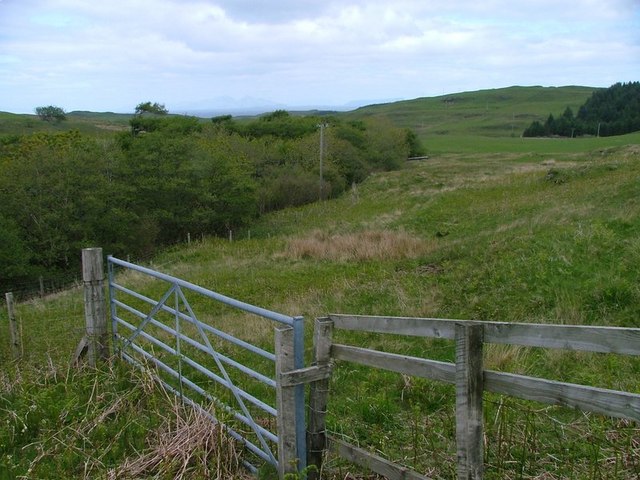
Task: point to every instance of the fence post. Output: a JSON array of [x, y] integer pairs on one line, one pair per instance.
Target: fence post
[[301, 424], [286, 403], [319, 396], [469, 388], [14, 329], [94, 305]]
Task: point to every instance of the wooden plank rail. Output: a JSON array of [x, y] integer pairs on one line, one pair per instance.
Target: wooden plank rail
[[599, 400], [372, 461], [570, 337], [418, 367], [471, 379], [612, 403]]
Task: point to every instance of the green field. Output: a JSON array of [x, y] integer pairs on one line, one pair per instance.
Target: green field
[[490, 226], [86, 122]]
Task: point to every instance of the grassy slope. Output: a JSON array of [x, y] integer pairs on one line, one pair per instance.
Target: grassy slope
[[497, 112], [548, 233], [502, 237], [86, 122]]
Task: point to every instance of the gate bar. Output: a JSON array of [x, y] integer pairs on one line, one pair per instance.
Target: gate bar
[[263, 312]]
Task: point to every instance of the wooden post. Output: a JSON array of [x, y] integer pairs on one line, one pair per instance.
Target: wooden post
[[469, 389], [94, 305], [285, 403], [41, 286], [319, 396], [14, 330]]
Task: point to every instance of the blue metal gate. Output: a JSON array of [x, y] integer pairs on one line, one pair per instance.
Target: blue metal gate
[[230, 378]]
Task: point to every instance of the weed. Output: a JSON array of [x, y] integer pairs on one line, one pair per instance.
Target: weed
[[366, 245]]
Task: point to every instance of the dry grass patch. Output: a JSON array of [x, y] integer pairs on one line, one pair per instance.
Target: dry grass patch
[[367, 245], [188, 445]]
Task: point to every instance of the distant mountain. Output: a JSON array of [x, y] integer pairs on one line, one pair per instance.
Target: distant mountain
[[212, 107], [255, 106]]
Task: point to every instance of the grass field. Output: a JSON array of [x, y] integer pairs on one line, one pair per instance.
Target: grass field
[[489, 227], [86, 122]]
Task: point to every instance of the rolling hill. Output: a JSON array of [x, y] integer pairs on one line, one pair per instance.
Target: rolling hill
[[495, 113]]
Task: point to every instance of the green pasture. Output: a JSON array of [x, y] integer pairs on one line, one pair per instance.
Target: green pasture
[[547, 147], [491, 226]]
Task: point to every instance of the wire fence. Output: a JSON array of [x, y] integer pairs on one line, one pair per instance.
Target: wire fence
[[50, 315], [48, 327]]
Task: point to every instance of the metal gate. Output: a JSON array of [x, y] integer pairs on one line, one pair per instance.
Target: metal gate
[[203, 358]]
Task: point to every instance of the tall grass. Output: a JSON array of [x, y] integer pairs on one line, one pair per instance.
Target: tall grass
[[107, 423], [366, 245]]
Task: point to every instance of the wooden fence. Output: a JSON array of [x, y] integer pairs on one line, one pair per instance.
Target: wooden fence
[[468, 375]]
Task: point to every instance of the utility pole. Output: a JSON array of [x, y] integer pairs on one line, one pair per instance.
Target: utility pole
[[322, 126]]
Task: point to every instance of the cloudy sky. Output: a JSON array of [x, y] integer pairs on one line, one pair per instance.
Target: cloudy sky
[[109, 55]]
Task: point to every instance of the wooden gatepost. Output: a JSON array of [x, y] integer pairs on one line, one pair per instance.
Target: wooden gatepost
[[95, 343]]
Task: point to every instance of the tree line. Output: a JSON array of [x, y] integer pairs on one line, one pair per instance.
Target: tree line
[[169, 176], [612, 111]]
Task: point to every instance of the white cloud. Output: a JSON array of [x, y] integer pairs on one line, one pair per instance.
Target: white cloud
[[110, 55]]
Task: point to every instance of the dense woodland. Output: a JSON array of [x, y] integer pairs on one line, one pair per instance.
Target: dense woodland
[[133, 192], [612, 111]]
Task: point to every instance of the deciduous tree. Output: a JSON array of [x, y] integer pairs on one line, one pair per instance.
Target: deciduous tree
[[153, 108], [51, 113]]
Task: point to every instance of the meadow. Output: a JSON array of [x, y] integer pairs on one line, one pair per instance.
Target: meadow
[[489, 227]]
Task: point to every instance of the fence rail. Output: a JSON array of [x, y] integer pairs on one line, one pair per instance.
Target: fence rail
[[569, 337], [469, 376]]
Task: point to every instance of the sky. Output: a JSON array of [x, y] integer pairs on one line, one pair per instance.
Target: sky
[[110, 55]]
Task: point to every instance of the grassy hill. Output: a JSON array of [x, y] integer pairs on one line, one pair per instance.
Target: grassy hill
[[548, 233], [472, 121], [496, 112]]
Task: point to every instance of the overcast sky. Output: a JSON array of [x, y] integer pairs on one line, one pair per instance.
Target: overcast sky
[[110, 55]]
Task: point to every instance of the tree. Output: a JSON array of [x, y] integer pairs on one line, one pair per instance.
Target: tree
[[154, 108], [54, 190], [14, 256], [51, 113], [611, 111], [415, 146], [536, 129]]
